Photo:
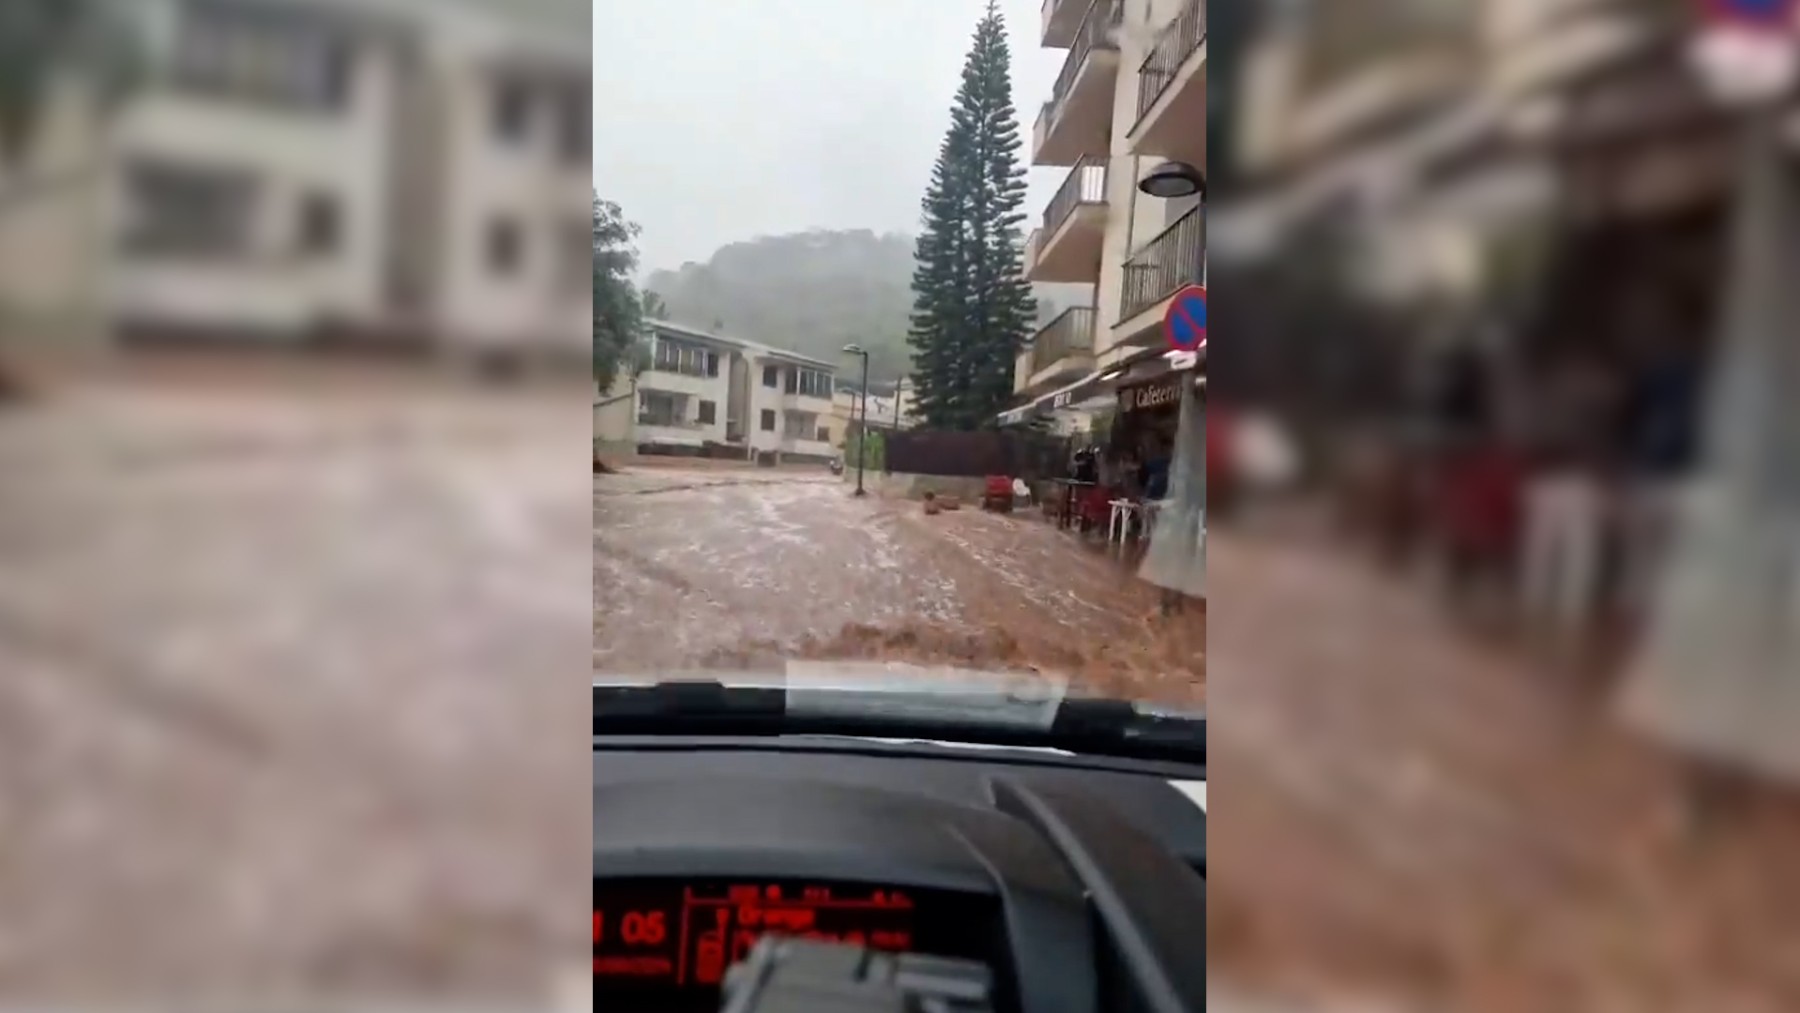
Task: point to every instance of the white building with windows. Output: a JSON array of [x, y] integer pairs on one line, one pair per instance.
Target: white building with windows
[[708, 393], [791, 402], [357, 170]]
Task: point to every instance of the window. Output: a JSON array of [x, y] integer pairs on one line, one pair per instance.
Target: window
[[278, 57], [824, 435], [512, 111], [320, 223], [809, 383], [675, 357], [771, 376], [768, 421], [575, 126], [799, 425], [503, 246], [185, 211], [656, 408], [709, 412]]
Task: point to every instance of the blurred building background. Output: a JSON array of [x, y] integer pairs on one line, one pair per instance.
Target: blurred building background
[[1473, 256], [293, 173]]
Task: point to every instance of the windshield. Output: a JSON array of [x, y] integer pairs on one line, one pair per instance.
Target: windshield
[[818, 441]]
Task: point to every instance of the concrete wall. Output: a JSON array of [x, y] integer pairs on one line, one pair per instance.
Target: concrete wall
[[615, 415], [902, 486]]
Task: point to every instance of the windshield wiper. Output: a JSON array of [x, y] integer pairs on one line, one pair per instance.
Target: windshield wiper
[[1079, 725]]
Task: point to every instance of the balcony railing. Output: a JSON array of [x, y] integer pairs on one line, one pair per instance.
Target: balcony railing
[[1176, 257], [1099, 30], [668, 422], [1071, 333], [1173, 46], [1086, 184]]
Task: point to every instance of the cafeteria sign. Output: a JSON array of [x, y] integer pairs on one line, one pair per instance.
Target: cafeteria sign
[[1146, 397]]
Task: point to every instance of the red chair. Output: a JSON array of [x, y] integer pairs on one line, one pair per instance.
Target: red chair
[[998, 495], [1095, 507]]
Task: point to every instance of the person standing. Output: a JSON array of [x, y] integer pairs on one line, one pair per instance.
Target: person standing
[[1662, 424]]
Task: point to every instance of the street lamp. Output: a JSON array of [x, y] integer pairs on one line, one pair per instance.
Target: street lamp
[[862, 430], [1174, 180]]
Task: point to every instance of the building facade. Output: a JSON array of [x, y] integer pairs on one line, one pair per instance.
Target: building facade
[[712, 394], [300, 171], [1131, 95]]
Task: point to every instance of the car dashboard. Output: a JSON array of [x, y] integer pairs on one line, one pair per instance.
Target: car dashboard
[[1056, 882]]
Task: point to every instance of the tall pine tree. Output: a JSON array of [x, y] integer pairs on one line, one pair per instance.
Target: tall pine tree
[[972, 307]]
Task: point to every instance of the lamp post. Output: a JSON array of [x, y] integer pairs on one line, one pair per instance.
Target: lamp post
[[862, 429]]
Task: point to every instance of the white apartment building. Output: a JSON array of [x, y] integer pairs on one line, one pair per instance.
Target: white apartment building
[[298, 169], [710, 393], [1131, 94]]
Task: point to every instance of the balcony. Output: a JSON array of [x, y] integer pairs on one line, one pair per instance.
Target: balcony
[[1062, 351], [1171, 91], [1176, 257], [1542, 46], [1066, 248], [1077, 120], [1062, 22]]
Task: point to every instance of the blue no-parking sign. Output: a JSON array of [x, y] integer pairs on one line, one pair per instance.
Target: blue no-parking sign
[[1185, 322]]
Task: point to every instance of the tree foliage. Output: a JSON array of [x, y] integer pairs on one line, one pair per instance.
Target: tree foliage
[[618, 308], [809, 292], [39, 39], [813, 292], [972, 307]]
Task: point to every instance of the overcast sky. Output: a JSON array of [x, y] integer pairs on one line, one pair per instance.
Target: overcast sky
[[722, 120]]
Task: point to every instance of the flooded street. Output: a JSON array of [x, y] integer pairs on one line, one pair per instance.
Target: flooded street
[[741, 568], [285, 692], [1415, 813]]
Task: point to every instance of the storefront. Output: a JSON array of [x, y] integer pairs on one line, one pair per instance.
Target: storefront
[[1146, 416]]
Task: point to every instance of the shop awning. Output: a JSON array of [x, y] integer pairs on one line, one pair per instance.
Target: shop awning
[[1099, 388], [1075, 395]]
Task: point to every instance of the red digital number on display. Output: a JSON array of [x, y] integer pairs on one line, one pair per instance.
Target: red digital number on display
[[694, 938]]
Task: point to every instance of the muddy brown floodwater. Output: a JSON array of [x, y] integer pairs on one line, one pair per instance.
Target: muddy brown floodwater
[[709, 567], [286, 700], [1412, 814]]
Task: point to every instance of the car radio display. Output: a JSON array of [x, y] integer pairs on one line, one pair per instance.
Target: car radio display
[[661, 934]]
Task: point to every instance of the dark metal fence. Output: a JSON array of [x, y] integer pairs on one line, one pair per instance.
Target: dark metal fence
[[1098, 28], [1085, 184], [1016, 453], [1070, 333], [1176, 257], [1173, 46]]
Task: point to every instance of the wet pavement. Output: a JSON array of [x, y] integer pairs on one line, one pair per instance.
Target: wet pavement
[[742, 568], [287, 692], [1418, 815]]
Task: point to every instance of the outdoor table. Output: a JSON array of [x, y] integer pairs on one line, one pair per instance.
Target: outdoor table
[[1068, 508], [1118, 523]]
